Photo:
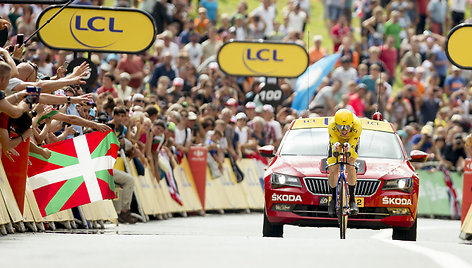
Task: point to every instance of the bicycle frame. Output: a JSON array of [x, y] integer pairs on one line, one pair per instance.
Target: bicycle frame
[[342, 193], [343, 183]]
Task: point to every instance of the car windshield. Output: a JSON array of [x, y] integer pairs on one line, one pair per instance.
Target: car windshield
[[314, 142]]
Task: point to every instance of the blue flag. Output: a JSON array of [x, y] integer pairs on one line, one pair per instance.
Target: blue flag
[[308, 82]]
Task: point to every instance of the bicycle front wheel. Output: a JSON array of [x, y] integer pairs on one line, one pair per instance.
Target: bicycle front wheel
[[342, 210]]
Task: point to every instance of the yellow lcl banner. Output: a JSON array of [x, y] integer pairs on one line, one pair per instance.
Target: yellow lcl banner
[[458, 46], [262, 59], [97, 29]]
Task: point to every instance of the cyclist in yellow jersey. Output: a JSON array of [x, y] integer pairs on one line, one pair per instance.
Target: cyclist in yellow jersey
[[344, 133]]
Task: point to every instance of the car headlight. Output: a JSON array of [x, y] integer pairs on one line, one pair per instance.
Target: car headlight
[[403, 184], [281, 180]]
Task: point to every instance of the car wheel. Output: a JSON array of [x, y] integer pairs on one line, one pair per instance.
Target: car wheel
[[406, 234], [272, 230]]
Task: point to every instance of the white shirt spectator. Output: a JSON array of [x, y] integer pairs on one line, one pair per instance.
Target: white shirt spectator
[[458, 5], [296, 20], [243, 134], [223, 142], [11, 85], [209, 49], [345, 76], [428, 69], [124, 94], [173, 49], [180, 136], [195, 53], [241, 33], [277, 128], [268, 15], [46, 69]]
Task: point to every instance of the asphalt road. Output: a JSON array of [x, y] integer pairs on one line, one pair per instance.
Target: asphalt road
[[235, 241]]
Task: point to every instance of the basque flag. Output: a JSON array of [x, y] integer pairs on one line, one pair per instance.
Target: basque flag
[[308, 82], [79, 171]]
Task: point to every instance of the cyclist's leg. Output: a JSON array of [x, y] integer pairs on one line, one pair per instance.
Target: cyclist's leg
[[351, 181], [333, 170], [333, 175], [351, 177], [351, 171], [332, 181]]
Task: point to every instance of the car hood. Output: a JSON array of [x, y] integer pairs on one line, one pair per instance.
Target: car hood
[[307, 166]]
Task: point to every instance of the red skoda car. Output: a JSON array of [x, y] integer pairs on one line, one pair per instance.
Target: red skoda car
[[296, 180]]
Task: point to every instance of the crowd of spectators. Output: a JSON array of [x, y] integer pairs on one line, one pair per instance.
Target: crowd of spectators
[[174, 95]]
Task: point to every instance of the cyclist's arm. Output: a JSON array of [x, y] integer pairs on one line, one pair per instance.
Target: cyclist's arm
[[356, 130], [333, 135]]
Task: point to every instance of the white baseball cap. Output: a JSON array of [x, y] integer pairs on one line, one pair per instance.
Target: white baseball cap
[[192, 116], [268, 108], [241, 115]]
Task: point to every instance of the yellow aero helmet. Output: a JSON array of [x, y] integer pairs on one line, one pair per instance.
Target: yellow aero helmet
[[344, 117]]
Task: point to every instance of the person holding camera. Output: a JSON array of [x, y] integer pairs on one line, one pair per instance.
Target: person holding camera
[[255, 28], [454, 153], [423, 141]]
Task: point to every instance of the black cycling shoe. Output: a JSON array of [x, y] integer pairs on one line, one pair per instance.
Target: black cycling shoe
[[332, 208], [354, 209]]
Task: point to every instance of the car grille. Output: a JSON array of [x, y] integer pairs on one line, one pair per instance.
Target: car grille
[[320, 186], [322, 211]]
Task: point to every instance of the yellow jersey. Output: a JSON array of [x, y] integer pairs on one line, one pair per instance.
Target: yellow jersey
[[352, 137]]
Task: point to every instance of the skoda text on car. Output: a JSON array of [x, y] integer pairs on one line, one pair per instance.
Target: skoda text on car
[[296, 180]]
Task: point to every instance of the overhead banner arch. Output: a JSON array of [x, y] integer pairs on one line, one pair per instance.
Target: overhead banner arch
[[268, 59], [97, 29]]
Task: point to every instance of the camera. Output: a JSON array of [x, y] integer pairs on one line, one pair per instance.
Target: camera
[[33, 94]]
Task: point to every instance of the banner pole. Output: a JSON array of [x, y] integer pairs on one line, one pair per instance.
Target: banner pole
[[49, 20]]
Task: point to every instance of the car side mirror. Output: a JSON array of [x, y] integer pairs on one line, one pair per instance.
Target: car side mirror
[[267, 151], [418, 156]]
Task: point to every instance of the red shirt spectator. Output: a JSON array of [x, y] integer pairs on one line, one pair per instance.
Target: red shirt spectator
[[389, 55], [357, 104], [339, 31], [108, 80], [134, 66]]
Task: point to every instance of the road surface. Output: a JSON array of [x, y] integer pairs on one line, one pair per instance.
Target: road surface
[[234, 240]]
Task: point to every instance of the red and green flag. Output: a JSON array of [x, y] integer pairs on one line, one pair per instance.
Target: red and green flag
[[79, 171]]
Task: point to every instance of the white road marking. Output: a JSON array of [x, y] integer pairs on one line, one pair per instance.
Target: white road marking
[[443, 259]]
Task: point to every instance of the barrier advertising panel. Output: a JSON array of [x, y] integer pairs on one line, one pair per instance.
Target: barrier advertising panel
[[467, 188]]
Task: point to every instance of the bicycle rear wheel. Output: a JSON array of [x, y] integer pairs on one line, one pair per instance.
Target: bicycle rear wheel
[[342, 210]]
